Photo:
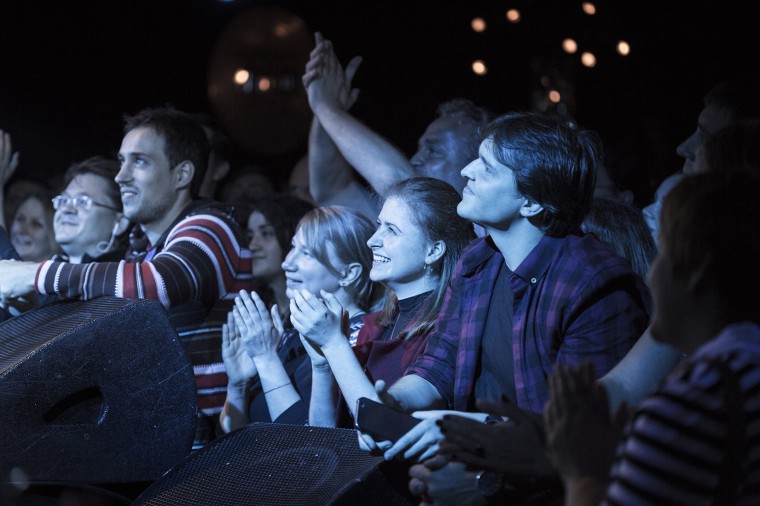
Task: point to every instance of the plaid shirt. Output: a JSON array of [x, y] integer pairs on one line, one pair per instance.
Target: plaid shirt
[[574, 300]]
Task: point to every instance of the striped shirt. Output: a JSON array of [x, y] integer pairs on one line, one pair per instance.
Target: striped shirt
[[573, 300], [697, 439], [195, 272]]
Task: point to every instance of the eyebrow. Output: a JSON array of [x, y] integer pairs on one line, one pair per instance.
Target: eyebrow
[[387, 223]]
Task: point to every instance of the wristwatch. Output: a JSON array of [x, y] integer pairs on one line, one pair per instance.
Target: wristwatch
[[489, 483]]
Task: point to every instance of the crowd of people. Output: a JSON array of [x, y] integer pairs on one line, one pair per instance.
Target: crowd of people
[[558, 343]]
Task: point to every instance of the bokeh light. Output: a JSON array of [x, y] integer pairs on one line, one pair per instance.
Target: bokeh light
[[479, 67], [570, 46], [478, 25]]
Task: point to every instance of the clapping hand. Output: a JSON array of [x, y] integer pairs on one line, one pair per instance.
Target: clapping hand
[[581, 435], [240, 367]]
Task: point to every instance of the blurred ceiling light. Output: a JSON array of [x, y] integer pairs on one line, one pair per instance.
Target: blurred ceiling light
[[479, 67], [513, 15], [588, 59], [478, 25], [264, 84], [623, 48], [569, 45], [241, 76], [589, 8]]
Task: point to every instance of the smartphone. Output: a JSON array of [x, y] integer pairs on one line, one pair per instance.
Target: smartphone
[[381, 422]]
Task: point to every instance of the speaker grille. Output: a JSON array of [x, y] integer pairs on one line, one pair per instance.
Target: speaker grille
[[21, 336], [265, 464]]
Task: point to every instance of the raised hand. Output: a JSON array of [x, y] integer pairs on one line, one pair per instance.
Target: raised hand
[[318, 320], [259, 334], [240, 367], [8, 159], [325, 80], [581, 436]]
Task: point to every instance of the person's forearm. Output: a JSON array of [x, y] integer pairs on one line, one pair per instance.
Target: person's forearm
[[329, 172], [323, 405], [639, 372], [376, 159], [235, 411], [278, 390], [414, 393], [348, 372]]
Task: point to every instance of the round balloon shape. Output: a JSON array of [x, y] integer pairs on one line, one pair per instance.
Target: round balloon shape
[[254, 80]]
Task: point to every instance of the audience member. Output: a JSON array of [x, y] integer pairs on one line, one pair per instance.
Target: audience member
[[736, 146], [415, 248], [622, 227], [185, 253], [271, 224], [329, 255], [726, 102], [696, 439], [89, 222], [449, 142], [245, 185], [31, 228]]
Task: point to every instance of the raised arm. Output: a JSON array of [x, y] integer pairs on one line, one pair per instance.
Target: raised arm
[[376, 159], [8, 164], [329, 172]]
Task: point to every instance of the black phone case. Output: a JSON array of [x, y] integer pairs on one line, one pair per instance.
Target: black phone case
[[381, 422]]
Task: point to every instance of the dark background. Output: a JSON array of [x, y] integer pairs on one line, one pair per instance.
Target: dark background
[[69, 70]]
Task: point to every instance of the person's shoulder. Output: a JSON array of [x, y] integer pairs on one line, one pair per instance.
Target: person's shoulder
[[478, 252], [588, 252], [216, 216]]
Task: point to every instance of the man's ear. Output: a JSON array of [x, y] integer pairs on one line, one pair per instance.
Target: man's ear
[[434, 252], [529, 209], [183, 174], [351, 273]]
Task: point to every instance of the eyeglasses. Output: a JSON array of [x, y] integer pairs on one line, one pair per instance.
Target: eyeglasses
[[82, 202]]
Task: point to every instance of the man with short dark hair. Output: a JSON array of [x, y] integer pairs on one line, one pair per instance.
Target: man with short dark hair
[[186, 253]]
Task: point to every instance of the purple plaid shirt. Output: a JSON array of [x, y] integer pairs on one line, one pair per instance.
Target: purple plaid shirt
[[574, 300]]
